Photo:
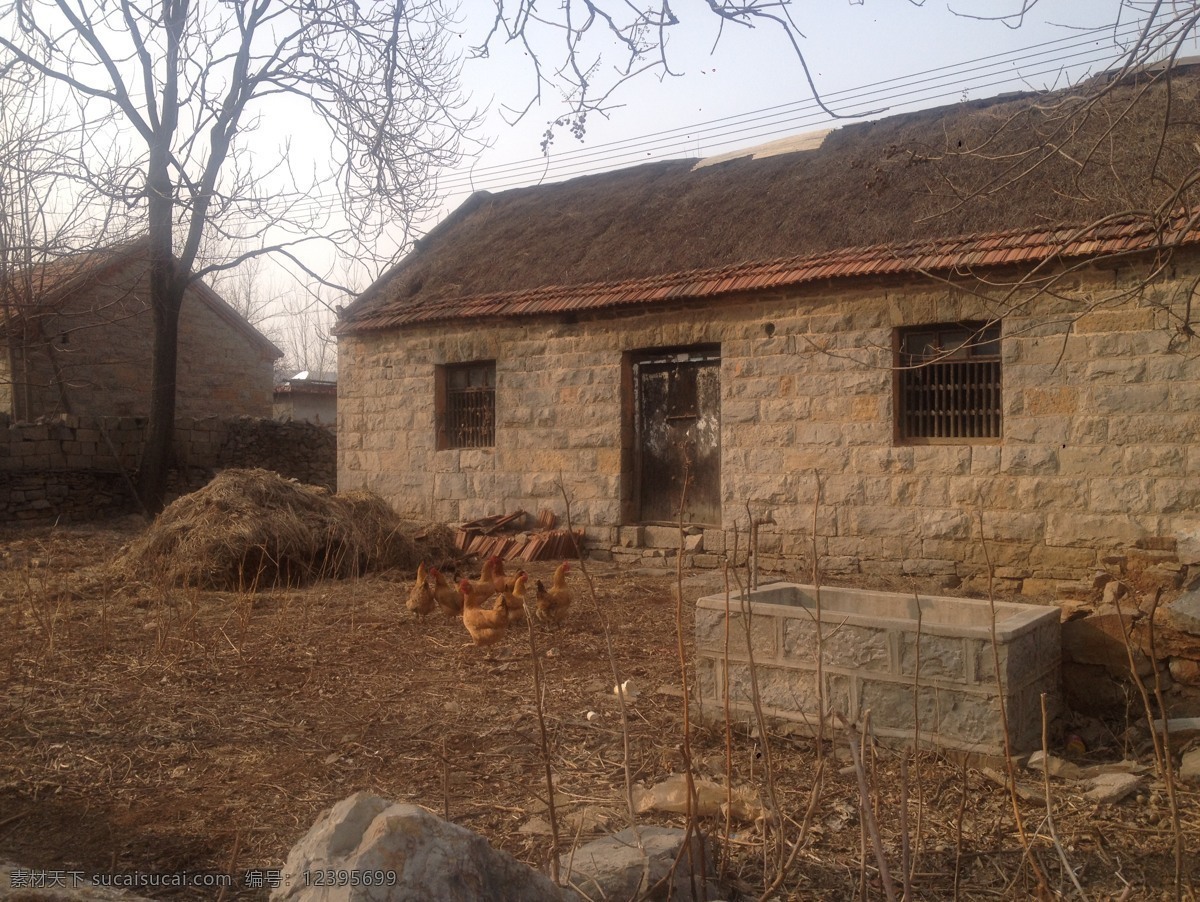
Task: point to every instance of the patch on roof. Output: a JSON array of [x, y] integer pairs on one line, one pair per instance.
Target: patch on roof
[[791, 144]]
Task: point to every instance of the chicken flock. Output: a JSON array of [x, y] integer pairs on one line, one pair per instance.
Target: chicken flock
[[493, 602]]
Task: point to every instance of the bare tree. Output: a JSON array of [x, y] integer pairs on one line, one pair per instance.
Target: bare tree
[[569, 45], [304, 332], [179, 85], [168, 92], [1133, 101], [249, 289], [43, 219]]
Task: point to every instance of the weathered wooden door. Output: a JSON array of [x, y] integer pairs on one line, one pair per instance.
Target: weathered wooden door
[[678, 442]]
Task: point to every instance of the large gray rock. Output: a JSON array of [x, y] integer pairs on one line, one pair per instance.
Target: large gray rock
[[616, 868], [367, 849]]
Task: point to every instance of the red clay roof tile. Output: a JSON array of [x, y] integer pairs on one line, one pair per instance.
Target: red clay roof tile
[[958, 255]]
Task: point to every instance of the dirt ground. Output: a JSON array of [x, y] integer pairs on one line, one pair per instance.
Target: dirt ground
[[156, 730]]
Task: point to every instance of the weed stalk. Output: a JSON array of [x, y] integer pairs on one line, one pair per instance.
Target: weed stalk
[[1010, 765]]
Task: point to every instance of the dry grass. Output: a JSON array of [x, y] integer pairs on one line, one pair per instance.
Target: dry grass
[[251, 529], [146, 726]]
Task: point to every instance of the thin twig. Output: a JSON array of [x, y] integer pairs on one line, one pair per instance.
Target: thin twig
[[866, 809], [1010, 765], [690, 828], [622, 701], [1062, 855], [445, 782], [539, 704], [1168, 760], [233, 857], [958, 827]]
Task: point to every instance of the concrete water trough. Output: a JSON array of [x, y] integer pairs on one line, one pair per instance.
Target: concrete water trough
[[922, 665]]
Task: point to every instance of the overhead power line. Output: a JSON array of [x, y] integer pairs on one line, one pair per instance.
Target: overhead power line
[[911, 91], [1049, 58]]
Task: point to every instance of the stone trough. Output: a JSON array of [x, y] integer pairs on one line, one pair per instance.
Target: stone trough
[[880, 651]]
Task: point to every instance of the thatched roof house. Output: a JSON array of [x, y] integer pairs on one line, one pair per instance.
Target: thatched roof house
[[1024, 162], [902, 310]]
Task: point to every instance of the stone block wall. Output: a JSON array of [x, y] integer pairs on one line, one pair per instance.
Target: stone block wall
[[1099, 455], [222, 371], [78, 468], [90, 355]]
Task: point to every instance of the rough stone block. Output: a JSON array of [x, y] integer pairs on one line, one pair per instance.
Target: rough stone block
[[876, 521], [842, 644], [789, 690], [1021, 660], [1069, 528], [946, 524], [710, 633], [943, 657], [1056, 401], [892, 706], [1029, 460], [630, 536], [660, 536], [974, 719], [714, 541], [928, 567]]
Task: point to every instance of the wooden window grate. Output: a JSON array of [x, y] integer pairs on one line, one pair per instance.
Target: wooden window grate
[[469, 406], [948, 388]]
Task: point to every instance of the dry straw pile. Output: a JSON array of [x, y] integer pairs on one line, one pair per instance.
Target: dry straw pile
[[251, 529]]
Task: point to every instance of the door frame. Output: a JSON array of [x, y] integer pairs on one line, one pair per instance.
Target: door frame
[[631, 463]]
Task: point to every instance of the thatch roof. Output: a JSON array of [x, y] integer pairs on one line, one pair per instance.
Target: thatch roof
[[1017, 162]]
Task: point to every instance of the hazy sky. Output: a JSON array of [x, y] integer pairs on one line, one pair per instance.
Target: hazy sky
[[877, 56]]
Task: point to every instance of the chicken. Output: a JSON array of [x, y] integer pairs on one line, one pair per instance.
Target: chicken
[[448, 598], [485, 587], [552, 603], [502, 581], [420, 598], [487, 626], [514, 598]]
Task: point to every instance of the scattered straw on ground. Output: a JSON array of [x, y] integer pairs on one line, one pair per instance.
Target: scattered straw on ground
[[161, 730], [252, 529]]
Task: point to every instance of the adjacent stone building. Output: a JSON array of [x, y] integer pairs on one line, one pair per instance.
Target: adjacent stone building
[[307, 398], [942, 339], [77, 338]]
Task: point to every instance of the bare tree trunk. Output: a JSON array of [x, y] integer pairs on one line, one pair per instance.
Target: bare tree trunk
[[168, 282], [157, 452]]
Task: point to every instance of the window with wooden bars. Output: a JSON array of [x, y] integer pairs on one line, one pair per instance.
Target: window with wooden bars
[[465, 403], [948, 383]]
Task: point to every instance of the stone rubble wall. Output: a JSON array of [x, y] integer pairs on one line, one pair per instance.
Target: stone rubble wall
[[1099, 460], [78, 468]]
